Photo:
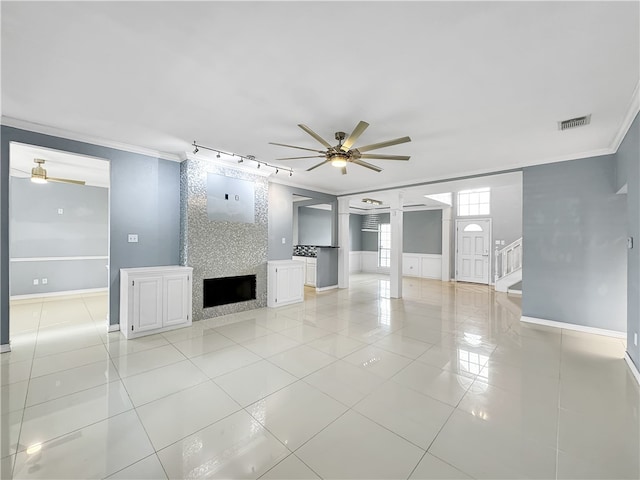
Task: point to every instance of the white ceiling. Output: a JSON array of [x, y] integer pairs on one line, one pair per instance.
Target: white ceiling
[[93, 171], [478, 86]]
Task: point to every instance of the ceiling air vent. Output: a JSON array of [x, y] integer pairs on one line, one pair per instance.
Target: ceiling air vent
[[574, 122]]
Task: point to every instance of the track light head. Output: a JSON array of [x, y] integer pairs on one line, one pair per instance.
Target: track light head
[[259, 165], [241, 160], [277, 170], [291, 174], [218, 155], [195, 150]]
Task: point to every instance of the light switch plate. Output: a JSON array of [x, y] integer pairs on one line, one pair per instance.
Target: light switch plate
[[284, 240], [45, 281], [36, 281], [630, 243], [60, 211], [133, 238]]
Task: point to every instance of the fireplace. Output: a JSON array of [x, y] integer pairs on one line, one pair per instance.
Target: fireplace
[[225, 290]]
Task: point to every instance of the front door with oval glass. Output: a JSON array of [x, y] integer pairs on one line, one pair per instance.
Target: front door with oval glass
[[473, 247]]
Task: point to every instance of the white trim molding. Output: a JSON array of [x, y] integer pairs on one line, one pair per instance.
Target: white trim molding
[[64, 293], [573, 326], [632, 111], [5, 348], [632, 366], [79, 137], [322, 289], [56, 259], [113, 328]]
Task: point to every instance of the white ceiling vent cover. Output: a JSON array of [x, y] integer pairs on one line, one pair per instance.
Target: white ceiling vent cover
[[574, 122]]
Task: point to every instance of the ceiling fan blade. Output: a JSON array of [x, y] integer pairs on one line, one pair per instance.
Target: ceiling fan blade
[[315, 135], [366, 165], [344, 170], [318, 165], [296, 158], [388, 143], [385, 157], [293, 146], [65, 180], [353, 138]]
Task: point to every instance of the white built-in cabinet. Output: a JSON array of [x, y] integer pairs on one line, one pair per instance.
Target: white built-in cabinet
[[154, 299], [310, 269], [285, 282]]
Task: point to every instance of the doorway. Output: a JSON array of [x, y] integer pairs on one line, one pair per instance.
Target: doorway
[[58, 243], [473, 250]]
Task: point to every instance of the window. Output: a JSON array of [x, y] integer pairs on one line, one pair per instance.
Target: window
[[474, 202], [384, 245]]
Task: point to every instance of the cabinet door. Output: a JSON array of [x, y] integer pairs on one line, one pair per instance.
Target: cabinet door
[[147, 303], [296, 283], [311, 274], [176, 299]]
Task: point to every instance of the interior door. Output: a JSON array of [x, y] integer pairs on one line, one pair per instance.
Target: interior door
[[473, 247]]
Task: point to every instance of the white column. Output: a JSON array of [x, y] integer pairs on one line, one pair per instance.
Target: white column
[[396, 245], [344, 242], [294, 234], [446, 244]]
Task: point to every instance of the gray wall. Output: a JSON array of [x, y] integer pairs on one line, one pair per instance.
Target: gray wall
[[628, 173], [355, 232], [281, 218], [37, 230], [144, 199], [422, 232], [574, 255], [314, 226]]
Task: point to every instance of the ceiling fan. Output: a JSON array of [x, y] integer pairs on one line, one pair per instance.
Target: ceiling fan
[[39, 175], [343, 153]]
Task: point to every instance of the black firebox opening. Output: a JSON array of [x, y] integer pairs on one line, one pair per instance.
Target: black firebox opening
[[221, 291]]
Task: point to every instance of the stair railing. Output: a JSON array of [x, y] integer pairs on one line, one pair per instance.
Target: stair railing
[[508, 259]]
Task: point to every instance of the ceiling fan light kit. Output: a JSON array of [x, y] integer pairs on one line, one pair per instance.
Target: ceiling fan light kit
[[343, 153], [39, 175]]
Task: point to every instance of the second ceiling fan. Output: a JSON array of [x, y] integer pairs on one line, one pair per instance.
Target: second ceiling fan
[[343, 153]]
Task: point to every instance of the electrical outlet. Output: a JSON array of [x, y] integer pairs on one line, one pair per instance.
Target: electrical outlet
[[35, 281], [284, 240], [60, 211], [45, 281], [133, 238]]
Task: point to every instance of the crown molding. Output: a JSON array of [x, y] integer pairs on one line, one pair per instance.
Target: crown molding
[[518, 167], [79, 137], [632, 111], [290, 183]]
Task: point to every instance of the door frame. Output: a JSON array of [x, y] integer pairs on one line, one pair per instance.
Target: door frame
[[455, 262]]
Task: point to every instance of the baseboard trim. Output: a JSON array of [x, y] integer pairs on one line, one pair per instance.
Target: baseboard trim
[[58, 294], [113, 328], [5, 348], [573, 326], [632, 366], [322, 289]]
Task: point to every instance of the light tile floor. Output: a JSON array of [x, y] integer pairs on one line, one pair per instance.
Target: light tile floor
[[444, 383]]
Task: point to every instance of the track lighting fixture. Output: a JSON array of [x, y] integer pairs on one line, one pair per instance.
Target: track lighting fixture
[[241, 158]]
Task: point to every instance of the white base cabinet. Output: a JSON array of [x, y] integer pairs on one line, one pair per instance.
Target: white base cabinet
[[285, 282], [154, 299], [310, 269]]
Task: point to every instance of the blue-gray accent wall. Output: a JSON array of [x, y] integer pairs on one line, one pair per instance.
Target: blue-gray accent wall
[[628, 173], [144, 199], [422, 232], [574, 255], [314, 226], [281, 218], [38, 230], [355, 232]]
